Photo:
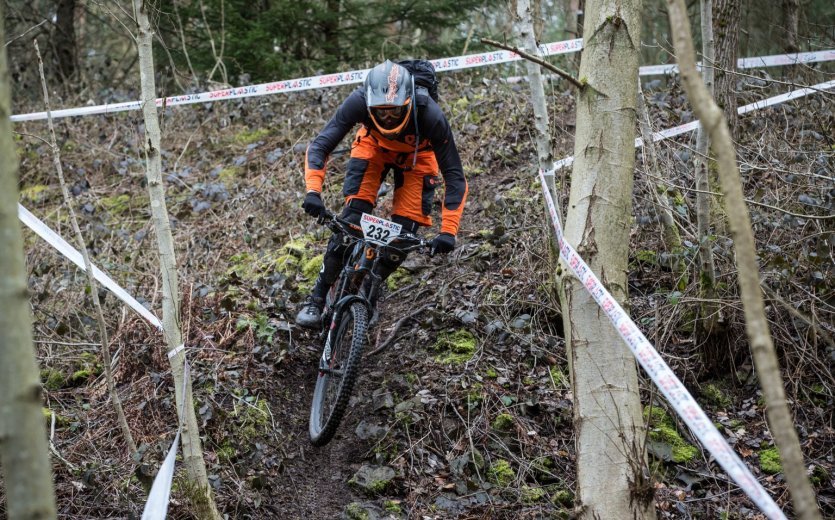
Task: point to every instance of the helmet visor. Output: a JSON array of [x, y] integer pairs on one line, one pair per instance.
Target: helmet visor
[[389, 118]]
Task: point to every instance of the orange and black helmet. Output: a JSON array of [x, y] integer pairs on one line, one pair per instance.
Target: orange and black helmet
[[389, 91]]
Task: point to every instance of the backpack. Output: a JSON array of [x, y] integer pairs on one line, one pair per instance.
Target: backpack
[[424, 73]]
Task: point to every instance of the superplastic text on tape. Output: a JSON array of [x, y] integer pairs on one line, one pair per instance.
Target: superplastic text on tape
[[299, 84], [661, 374]]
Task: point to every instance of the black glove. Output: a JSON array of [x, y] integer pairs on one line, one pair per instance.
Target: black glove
[[313, 204], [443, 243]]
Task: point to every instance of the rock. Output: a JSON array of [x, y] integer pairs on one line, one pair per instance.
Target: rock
[[493, 326], [382, 399], [362, 511], [366, 430], [414, 403], [274, 155], [466, 317], [373, 480], [521, 322]]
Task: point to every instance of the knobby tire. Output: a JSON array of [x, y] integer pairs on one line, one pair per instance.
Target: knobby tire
[[323, 422]]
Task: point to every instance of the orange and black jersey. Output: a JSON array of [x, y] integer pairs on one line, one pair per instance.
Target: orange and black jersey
[[432, 127]]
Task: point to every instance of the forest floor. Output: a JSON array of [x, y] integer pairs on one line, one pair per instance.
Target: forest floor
[[468, 411]]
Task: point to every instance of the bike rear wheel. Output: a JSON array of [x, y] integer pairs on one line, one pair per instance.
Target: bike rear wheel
[[336, 378]]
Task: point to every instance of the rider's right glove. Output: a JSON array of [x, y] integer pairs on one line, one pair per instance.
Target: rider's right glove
[[443, 243], [312, 204]]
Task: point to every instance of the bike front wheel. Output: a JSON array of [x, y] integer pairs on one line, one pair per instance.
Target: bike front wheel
[[338, 371]]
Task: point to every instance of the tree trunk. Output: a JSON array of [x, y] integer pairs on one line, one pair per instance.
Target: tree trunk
[[88, 267], [24, 452], [726, 34], [756, 325], [571, 8], [669, 230], [199, 492], [607, 408], [709, 307], [527, 38], [790, 17], [524, 14], [538, 20], [66, 48]]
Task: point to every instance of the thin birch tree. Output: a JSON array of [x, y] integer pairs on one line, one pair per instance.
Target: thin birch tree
[[24, 452], [607, 410], [199, 491], [781, 422], [88, 268], [527, 39], [669, 228], [527, 35], [709, 309]]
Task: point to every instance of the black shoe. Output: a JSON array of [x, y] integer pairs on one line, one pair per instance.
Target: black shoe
[[310, 315]]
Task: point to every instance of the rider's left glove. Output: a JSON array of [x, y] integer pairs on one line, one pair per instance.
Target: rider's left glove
[[443, 243], [312, 204]]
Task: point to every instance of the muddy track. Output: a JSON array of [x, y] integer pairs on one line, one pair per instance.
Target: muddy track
[[314, 481]]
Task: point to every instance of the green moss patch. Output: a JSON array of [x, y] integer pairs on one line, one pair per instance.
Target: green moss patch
[[226, 452], [531, 494], [253, 419], [399, 278], [228, 175], [770, 461], [60, 420], [663, 436], [500, 473], [503, 422], [53, 379], [561, 497], [36, 193], [455, 348], [115, 205], [645, 256], [354, 511], [715, 395], [291, 259], [392, 506], [248, 136]]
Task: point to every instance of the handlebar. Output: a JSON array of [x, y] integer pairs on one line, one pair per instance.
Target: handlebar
[[338, 224]]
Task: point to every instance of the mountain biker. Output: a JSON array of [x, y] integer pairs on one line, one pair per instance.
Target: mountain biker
[[402, 129]]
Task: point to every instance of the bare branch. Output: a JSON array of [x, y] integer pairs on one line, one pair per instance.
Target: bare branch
[[27, 31], [539, 61]]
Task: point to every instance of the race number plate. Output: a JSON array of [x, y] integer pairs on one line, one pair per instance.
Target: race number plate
[[379, 230]]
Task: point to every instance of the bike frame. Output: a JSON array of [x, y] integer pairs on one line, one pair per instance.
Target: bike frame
[[350, 287]]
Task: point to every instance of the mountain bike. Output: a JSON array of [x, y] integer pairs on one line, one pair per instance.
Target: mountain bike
[[348, 307]]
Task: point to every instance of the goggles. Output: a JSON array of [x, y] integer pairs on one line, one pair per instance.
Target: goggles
[[389, 117]]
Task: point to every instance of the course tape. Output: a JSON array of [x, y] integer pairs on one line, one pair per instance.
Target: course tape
[[55, 240], [757, 62], [312, 82], [742, 63], [661, 374], [156, 508], [689, 127]]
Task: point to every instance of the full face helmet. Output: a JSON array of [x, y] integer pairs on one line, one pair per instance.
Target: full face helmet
[[389, 90]]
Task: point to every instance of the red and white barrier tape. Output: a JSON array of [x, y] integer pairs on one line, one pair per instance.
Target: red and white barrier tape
[[312, 82], [661, 374], [156, 508], [689, 127], [157, 505], [441, 65], [757, 62], [55, 240]]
